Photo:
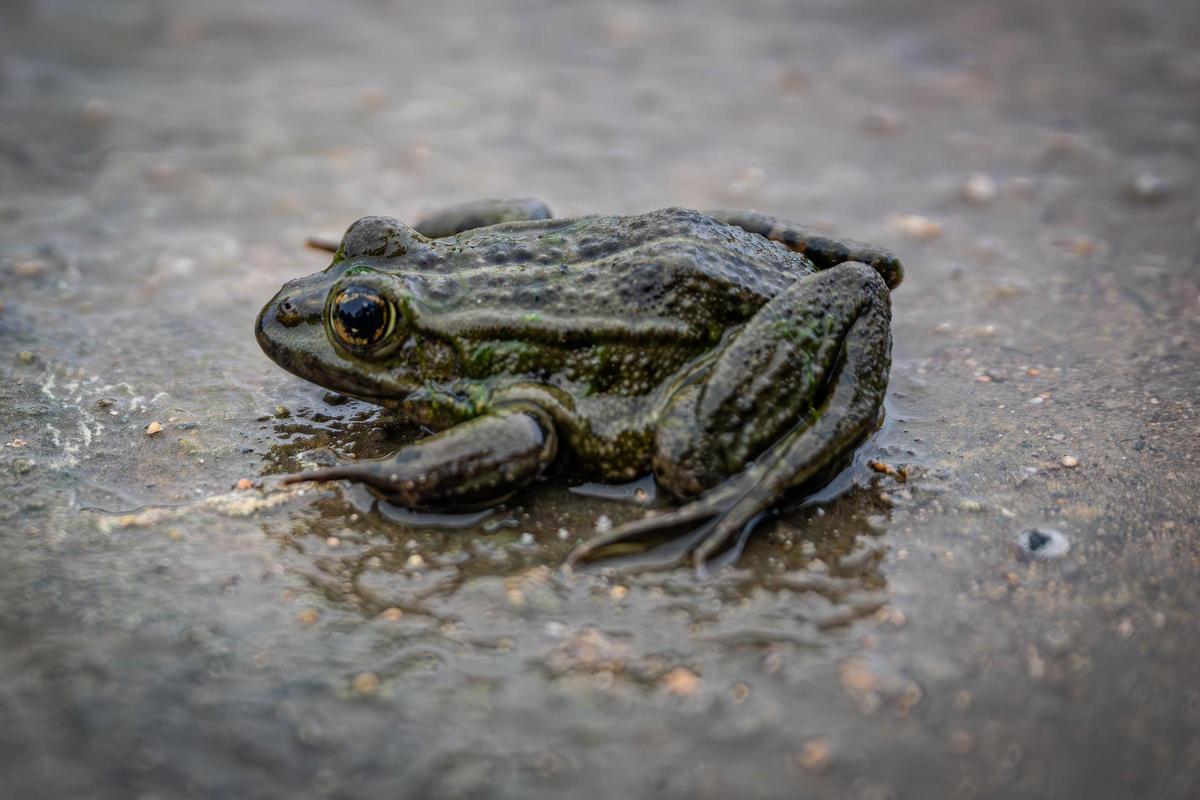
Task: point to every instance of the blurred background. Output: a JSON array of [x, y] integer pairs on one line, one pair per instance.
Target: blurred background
[[166, 633]]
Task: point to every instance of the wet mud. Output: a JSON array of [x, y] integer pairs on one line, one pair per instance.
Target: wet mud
[[997, 598]]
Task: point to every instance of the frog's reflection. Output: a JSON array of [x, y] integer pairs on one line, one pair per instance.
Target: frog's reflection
[[823, 555]]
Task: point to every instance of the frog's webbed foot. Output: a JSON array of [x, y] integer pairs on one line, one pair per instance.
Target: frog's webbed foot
[[480, 214], [814, 362], [823, 250], [715, 516]]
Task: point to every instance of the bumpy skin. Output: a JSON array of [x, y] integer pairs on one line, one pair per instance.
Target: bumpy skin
[[691, 344]]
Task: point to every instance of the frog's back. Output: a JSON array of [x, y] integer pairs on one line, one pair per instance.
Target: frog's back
[[669, 266]]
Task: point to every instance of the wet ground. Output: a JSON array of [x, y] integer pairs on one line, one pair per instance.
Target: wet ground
[[168, 634]]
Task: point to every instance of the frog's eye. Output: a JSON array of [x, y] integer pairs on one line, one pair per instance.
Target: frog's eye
[[360, 317]]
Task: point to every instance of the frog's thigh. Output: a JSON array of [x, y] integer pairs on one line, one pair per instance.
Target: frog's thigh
[[480, 214], [822, 249], [762, 388]]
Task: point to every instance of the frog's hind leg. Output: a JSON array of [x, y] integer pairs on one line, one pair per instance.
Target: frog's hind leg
[[799, 385], [480, 214], [823, 250]]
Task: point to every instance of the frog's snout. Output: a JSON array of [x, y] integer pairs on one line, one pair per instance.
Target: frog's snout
[[297, 303], [291, 321]]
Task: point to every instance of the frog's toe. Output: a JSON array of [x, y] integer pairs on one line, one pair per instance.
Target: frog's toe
[[739, 521], [707, 524]]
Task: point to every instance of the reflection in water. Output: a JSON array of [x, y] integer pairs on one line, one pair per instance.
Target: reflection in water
[[326, 436], [375, 558]]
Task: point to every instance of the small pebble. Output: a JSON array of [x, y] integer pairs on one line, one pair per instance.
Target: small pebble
[[681, 682], [618, 592], [391, 614], [366, 683], [816, 755], [154, 428], [332, 541], [1146, 187], [527, 540], [563, 534], [603, 524], [308, 616], [899, 473], [1125, 628], [29, 268], [414, 561], [970, 506], [26, 357], [1070, 462], [980, 189], [915, 227], [857, 677], [243, 483]]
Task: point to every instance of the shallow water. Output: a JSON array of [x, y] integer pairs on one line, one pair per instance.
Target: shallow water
[[166, 634]]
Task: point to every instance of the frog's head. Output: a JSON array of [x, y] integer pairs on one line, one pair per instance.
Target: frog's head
[[349, 327]]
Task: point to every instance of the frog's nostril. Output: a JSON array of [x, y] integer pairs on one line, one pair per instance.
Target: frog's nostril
[[287, 312]]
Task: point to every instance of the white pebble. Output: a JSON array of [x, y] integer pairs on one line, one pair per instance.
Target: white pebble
[[915, 227], [1146, 187], [980, 189]]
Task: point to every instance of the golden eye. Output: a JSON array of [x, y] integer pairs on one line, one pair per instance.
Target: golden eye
[[360, 317]]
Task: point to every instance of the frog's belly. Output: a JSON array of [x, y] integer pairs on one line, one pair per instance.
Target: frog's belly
[[611, 438]]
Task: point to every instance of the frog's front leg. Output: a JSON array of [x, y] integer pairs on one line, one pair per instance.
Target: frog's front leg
[[795, 390], [823, 250], [480, 214], [474, 464]]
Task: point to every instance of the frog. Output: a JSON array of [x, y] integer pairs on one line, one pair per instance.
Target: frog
[[733, 355]]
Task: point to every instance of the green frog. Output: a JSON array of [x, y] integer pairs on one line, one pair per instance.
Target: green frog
[[733, 354]]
